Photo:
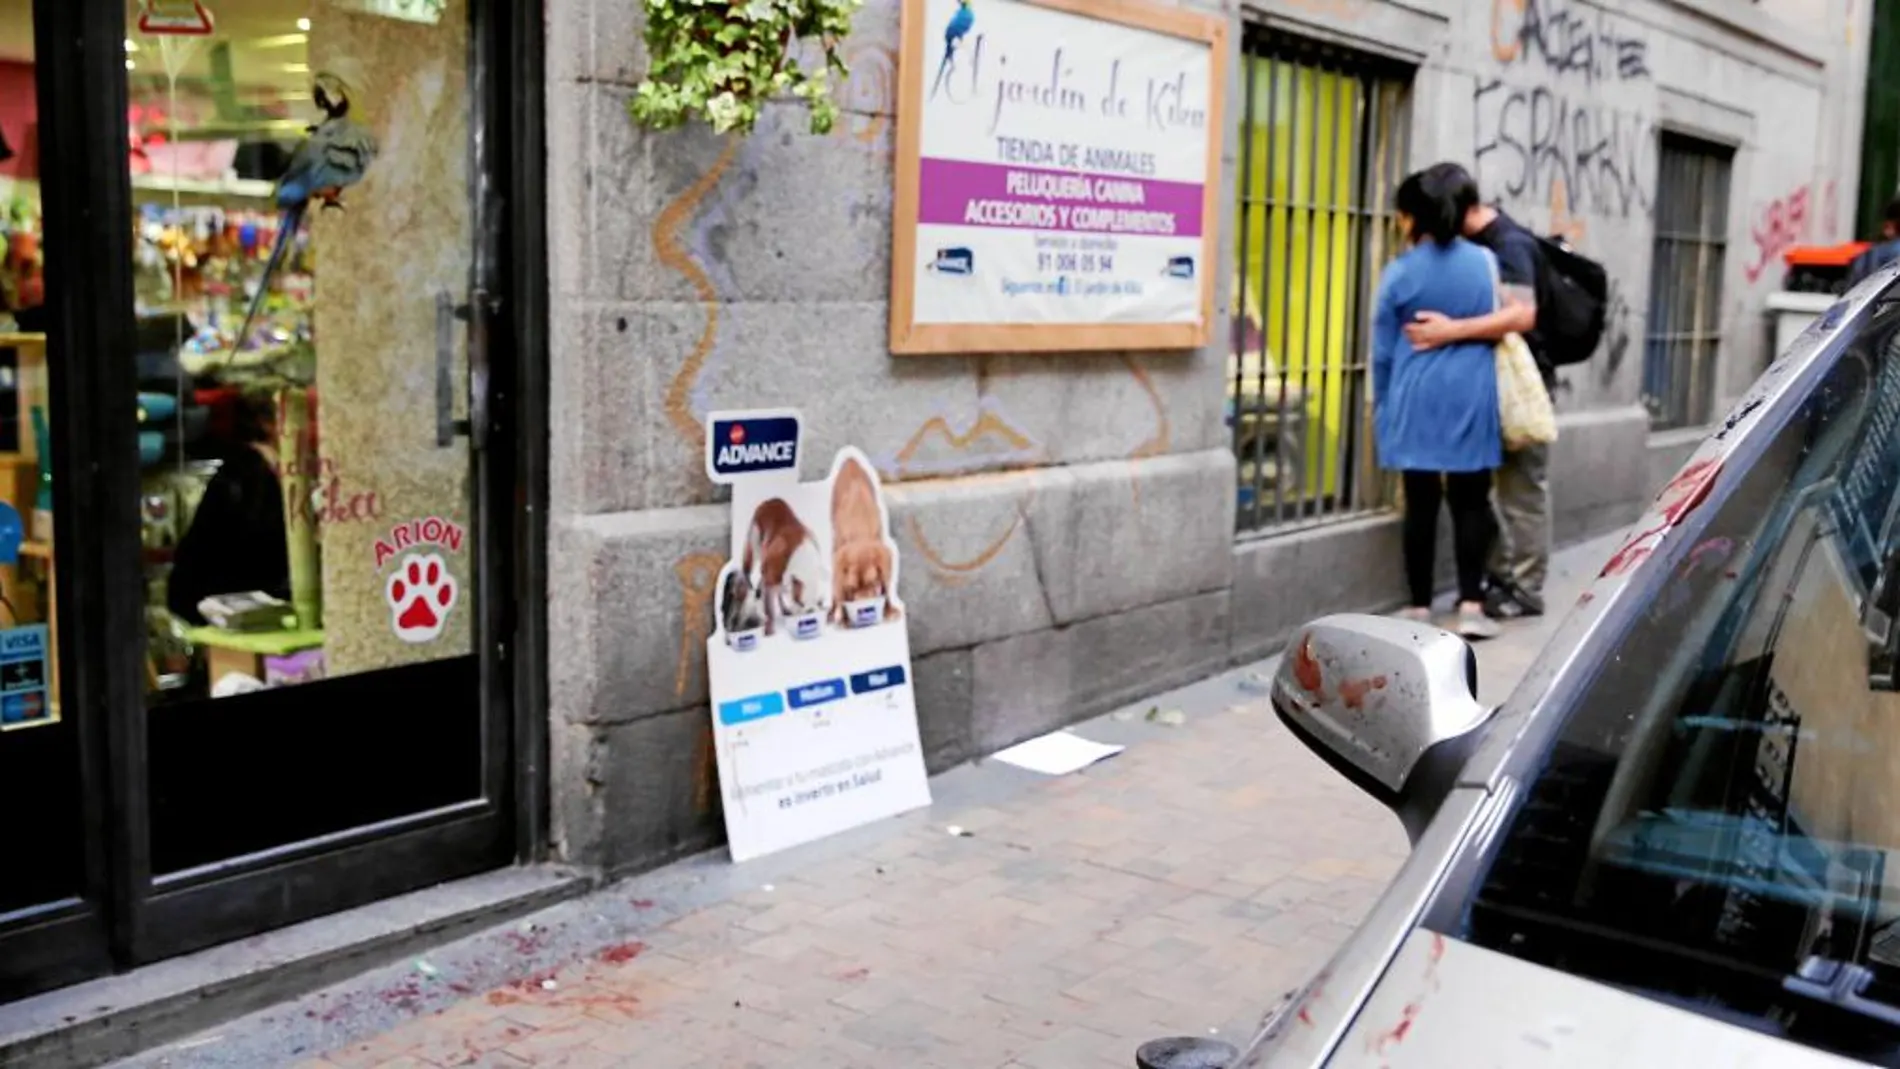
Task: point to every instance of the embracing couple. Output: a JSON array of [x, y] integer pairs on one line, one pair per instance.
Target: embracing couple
[[1469, 278]]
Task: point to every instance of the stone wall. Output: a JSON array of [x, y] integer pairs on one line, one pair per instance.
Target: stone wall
[[1067, 522]]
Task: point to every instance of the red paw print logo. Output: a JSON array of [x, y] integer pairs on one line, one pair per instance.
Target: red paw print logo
[[421, 593]]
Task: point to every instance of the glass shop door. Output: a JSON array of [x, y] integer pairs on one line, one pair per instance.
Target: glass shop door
[[317, 566], [246, 248]]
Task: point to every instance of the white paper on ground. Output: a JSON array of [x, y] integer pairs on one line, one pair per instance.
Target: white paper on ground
[[1056, 754]]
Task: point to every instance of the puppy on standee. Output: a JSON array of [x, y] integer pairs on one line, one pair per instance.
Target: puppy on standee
[[807, 582], [860, 559], [779, 545], [740, 605]]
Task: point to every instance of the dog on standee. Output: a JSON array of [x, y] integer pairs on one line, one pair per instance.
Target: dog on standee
[[740, 604], [860, 559], [782, 562], [807, 581]]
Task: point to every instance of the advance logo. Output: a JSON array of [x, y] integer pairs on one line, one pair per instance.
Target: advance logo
[[749, 445], [954, 262]]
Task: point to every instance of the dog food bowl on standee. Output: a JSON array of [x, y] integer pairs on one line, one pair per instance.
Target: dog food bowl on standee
[[744, 641], [808, 625], [864, 612]]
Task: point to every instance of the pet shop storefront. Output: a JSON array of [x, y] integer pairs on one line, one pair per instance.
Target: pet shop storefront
[[271, 292]]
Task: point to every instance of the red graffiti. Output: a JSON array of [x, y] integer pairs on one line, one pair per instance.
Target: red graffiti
[[1306, 666], [1785, 221], [1684, 493], [1397, 1033], [1353, 691]]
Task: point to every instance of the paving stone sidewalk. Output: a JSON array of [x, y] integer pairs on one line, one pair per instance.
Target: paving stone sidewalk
[[1181, 887]]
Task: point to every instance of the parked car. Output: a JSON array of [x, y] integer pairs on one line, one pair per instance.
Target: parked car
[[1669, 845]]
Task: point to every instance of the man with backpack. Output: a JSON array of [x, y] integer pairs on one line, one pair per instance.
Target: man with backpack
[[1555, 299]]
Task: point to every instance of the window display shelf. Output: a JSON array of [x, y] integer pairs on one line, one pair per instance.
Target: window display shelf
[[227, 188]]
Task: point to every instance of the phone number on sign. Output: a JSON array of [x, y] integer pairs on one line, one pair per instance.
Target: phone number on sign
[[1084, 262]]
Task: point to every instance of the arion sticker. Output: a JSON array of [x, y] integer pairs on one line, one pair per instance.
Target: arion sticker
[[429, 531], [421, 590]]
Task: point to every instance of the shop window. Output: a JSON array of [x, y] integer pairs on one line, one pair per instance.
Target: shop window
[[1323, 145], [38, 752], [1685, 282]]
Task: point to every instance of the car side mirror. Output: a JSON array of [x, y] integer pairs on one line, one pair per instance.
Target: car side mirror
[[1392, 705]]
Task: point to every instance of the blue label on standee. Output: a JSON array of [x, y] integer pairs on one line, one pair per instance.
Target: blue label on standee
[[881, 679], [749, 446], [746, 710], [825, 690]]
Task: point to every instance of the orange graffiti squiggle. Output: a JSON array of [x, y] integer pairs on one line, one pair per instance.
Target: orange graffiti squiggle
[[698, 575], [871, 98], [986, 423], [667, 246], [1155, 446], [936, 559], [1158, 444], [1504, 49], [1561, 221]]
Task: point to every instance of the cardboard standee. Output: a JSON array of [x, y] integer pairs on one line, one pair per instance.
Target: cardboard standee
[[813, 715]]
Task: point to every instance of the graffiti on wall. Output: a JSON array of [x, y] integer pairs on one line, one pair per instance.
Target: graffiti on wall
[[1560, 38], [1544, 131], [1529, 140], [870, 96], [1619, 330], [1788, 220]]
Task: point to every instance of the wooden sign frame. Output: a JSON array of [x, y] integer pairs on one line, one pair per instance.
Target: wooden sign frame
[[907, 336]]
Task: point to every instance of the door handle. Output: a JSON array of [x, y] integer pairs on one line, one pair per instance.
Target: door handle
[[446, 425], [481, 307], [476, 314]]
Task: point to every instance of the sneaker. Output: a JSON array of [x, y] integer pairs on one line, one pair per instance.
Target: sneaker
[[1414, 615], [1510, 603], [1475, 626]]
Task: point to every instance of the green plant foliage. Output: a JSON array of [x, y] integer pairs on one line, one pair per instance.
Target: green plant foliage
[[721, 60]]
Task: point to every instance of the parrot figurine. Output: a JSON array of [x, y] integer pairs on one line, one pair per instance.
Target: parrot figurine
[[956, 31], [336, 155]]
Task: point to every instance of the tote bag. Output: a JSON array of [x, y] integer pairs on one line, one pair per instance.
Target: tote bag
[[1524, 409]]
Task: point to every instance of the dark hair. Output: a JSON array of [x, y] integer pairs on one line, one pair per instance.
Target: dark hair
[[1458, 184], [1427, 198], [254, 415], [1893, 212]]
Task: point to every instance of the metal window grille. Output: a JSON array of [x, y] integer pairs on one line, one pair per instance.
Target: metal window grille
[[1324, 138], [1685, 282]]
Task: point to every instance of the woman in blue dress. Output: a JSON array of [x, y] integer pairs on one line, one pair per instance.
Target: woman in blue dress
[[1435, 413]]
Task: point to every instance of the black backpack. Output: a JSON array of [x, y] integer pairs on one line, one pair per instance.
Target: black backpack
[[1572, 301]]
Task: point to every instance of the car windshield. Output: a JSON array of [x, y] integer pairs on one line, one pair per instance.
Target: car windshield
[[1713, 823]]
